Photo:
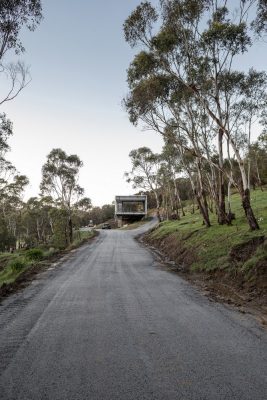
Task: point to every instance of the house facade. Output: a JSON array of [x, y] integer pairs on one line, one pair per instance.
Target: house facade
[[130, 208]]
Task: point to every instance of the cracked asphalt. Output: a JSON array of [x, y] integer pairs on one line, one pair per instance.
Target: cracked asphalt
[[109, 323]]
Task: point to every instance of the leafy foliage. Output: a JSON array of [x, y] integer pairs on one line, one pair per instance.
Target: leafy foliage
[[183, 85], [34, 254], [14, 15], [17, 264]]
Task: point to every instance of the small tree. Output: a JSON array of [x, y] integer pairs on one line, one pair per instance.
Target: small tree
[[60, 176], [144, 173]]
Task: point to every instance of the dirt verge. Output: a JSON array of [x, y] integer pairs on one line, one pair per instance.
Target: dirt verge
[[30, 274]]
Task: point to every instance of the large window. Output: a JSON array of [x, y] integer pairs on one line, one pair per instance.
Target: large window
[[133, 206]]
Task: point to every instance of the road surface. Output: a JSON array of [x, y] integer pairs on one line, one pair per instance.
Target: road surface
[[110, 323]]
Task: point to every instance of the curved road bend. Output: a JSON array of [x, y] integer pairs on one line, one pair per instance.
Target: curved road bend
[[111, 324]]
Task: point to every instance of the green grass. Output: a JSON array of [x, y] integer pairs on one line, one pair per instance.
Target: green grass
[[212, 245], [9, 276], [81, 236], [5, 258], [136, 224], [259, 256], [12, 265], [15, 267]]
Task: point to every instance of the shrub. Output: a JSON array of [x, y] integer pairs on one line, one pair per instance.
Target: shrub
[[17, 264], [50, 252], [34, 254]]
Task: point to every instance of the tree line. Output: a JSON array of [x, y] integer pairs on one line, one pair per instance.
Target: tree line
[[61, 208], [187, 83]]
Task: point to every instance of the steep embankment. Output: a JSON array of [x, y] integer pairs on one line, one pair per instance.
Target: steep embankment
[[230, 262]]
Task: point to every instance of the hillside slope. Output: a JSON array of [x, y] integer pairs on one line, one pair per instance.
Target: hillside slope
[[229, 261]]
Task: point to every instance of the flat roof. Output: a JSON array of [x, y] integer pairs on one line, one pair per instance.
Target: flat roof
[[125, 213], [131, 198]]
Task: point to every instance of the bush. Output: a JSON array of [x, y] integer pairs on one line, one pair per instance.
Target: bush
[[18, 264], [50, 252], [34, 254]]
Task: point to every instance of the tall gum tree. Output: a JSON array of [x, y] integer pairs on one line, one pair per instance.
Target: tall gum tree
[[60, 176], [193, 51]]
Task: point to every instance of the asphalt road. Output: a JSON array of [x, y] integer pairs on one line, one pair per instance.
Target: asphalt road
[[111, 323]]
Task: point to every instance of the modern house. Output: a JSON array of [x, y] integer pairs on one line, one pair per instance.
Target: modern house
[[130, 208]]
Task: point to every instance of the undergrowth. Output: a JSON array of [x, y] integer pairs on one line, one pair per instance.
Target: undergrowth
[[12, 265]]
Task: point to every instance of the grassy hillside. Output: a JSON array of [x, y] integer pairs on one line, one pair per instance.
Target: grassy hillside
[[218, 247]]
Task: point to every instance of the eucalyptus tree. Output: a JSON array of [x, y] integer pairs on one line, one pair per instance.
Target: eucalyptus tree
[[6, 130], [165, 179], [170, 155], [248, 111], [11, 203], [258, 158], [12, 183], [60, 175], [84, 204], [36, 221], [191, 164], [145, 172], [81, 212], [108, 211], [260, 22], [7, 170], [16, 15], [189, 49]]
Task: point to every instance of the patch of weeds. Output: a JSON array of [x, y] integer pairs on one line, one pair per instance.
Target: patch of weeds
[[224, 263], [249, 264], [196, 267], [34, 254], [17, 264], [50, 252], [13, 270], [259, 256]]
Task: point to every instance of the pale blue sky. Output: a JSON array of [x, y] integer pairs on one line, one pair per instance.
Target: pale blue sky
[[78, 60]]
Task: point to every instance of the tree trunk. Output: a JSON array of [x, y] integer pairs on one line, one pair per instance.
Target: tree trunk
[[258, 174], [202, 211], [70, 230], [222, 218], [51, 223], [178, 201], [201, 197], [253, 224], [157, 203], [230, 214], [248, 157], [38, 231]]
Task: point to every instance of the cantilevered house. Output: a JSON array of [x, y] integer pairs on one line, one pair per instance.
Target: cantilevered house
[[130, 208]]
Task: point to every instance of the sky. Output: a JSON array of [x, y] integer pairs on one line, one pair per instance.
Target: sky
[[78, 60]]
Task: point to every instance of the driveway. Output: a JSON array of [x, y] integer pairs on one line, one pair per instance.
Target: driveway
[[110, 323]]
